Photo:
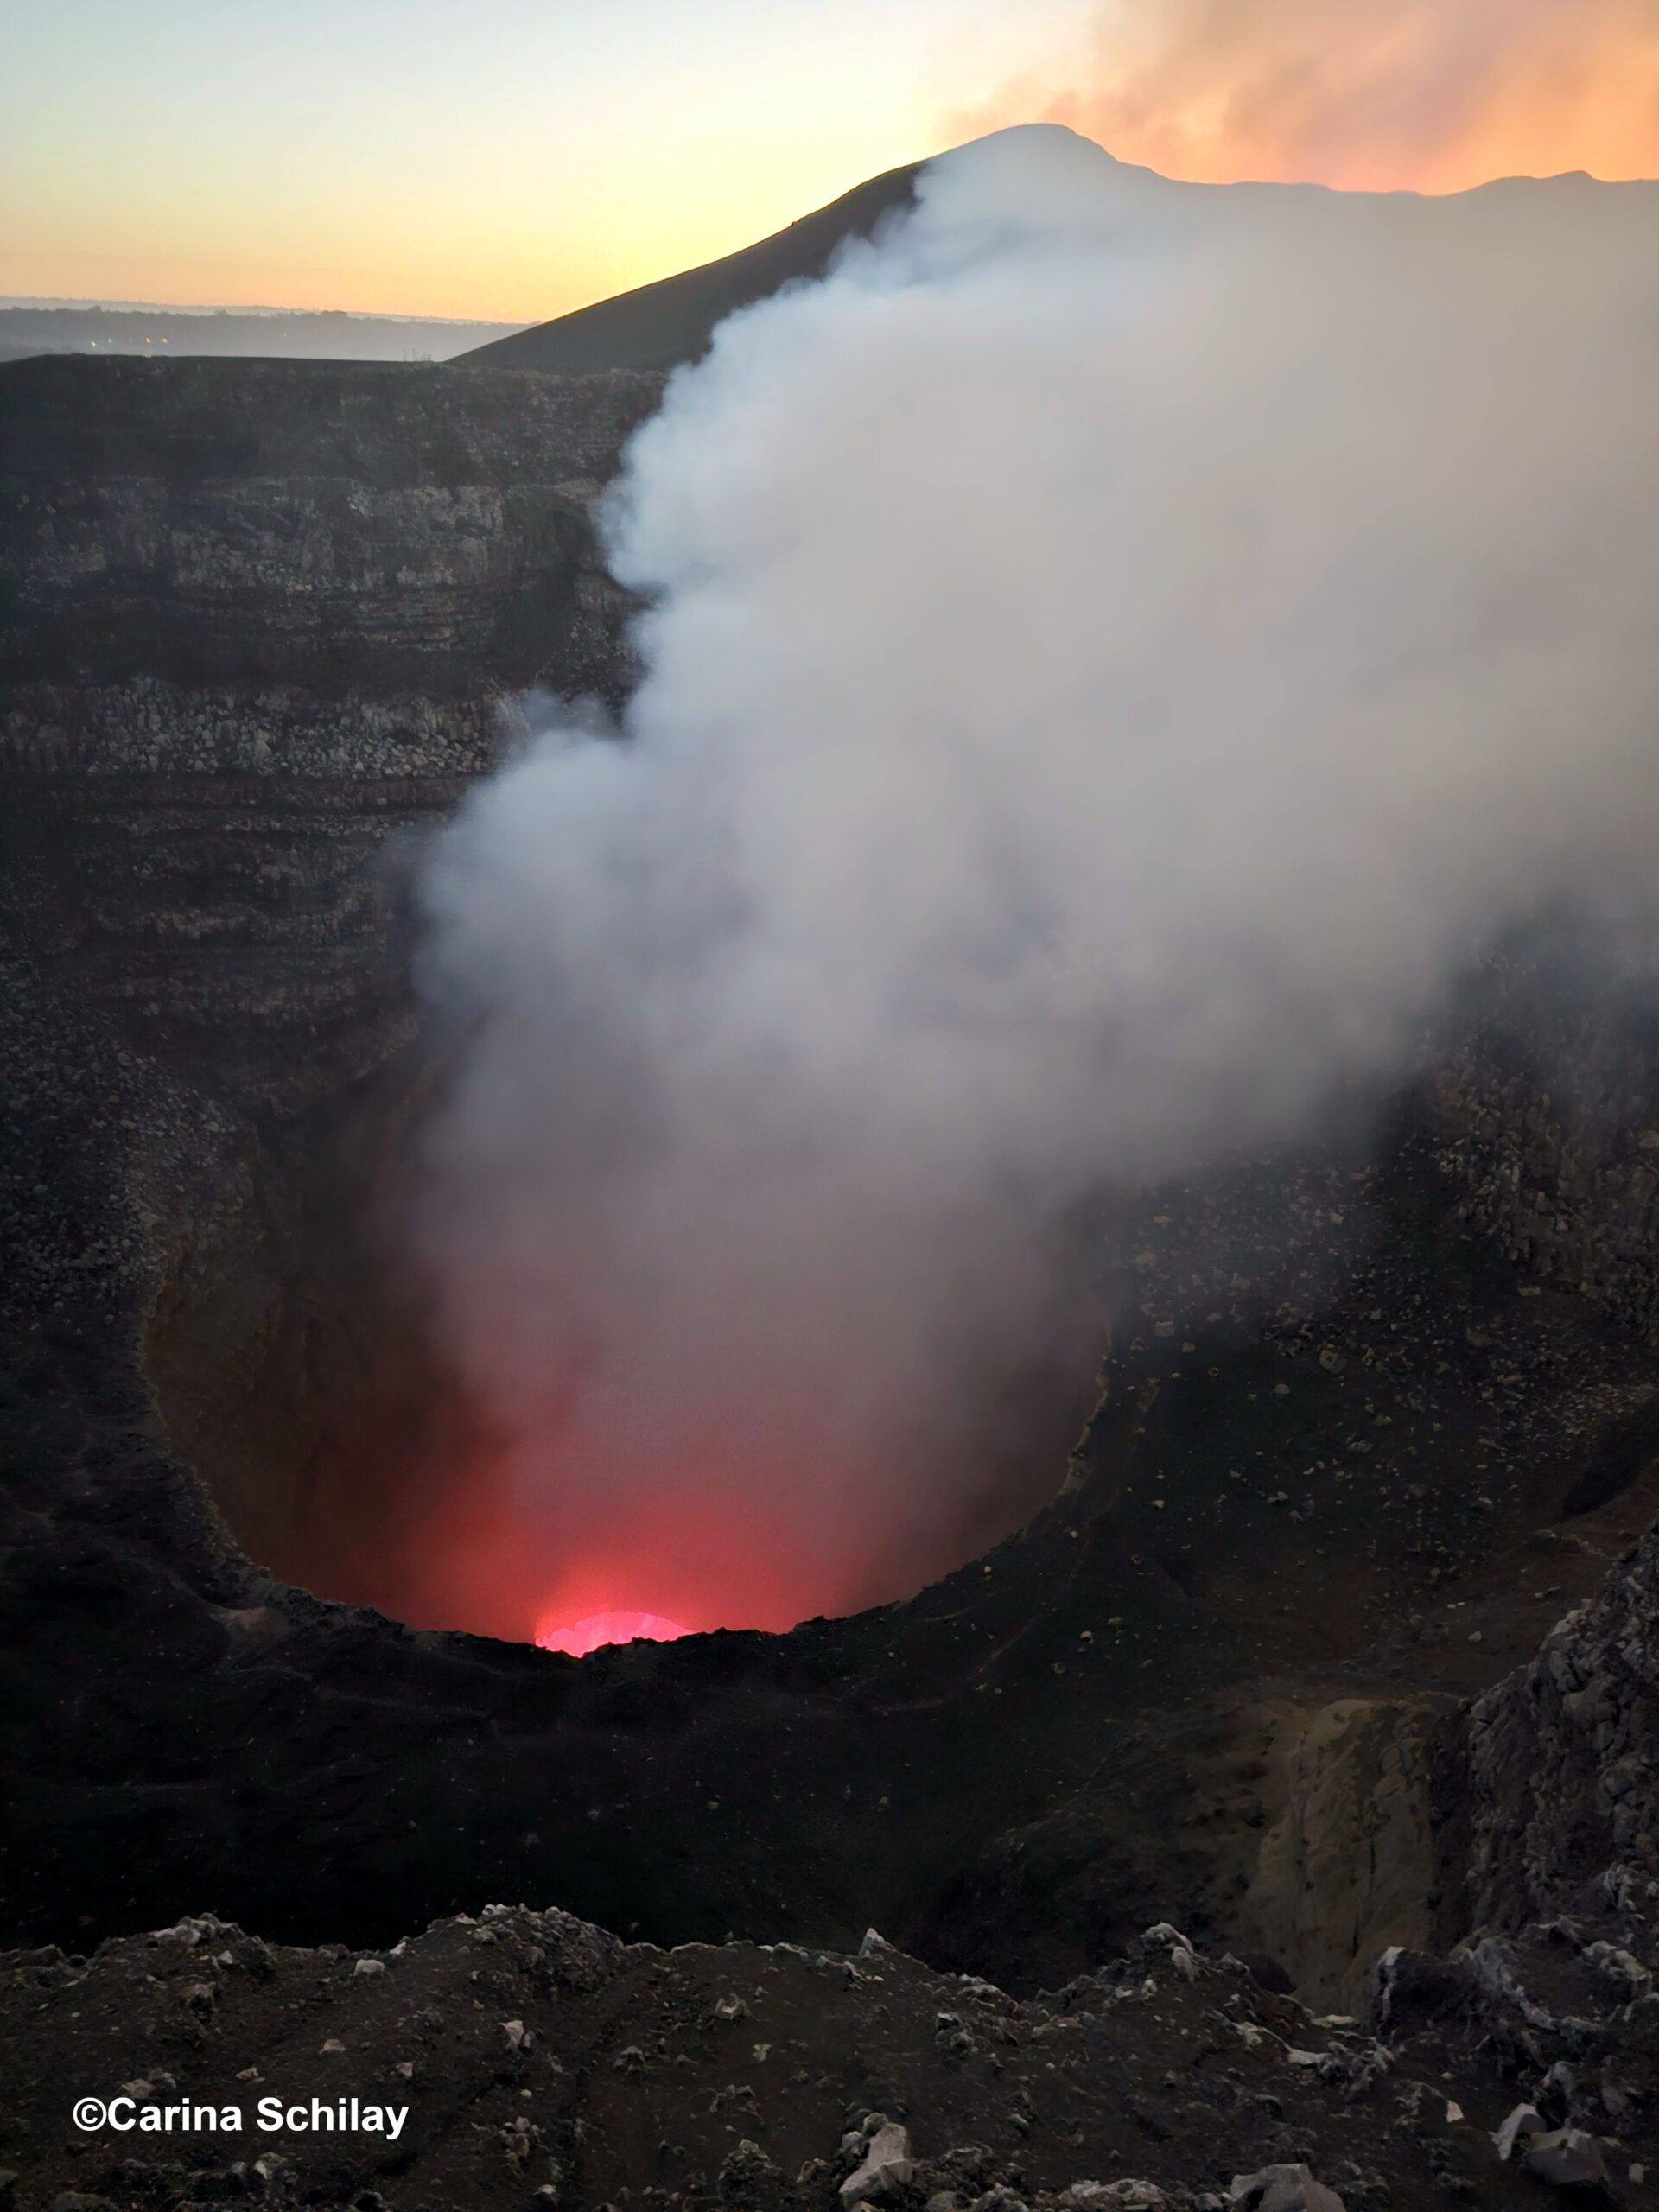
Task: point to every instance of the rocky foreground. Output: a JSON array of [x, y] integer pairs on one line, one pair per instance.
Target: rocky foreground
[[525, 2057]]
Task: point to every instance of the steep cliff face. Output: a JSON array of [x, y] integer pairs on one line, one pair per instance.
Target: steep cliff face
[[260, 619], [1561, 1758], [356, 529]]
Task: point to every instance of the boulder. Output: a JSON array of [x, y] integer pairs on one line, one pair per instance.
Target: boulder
[[888, 2166], [1283, 2188], [1568, 2157]]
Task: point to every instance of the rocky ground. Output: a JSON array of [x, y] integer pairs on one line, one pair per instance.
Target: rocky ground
[[525, 2057]]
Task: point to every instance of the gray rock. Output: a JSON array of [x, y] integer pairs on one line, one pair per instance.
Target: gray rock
[[1283, 2188], [1525, 2120], [747, 2166], [1568, 2157], [888, 2165]]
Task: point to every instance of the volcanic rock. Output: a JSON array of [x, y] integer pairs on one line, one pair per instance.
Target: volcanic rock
[[887, 2165], [1524, 2121], [1363, 1401], [1567, 2158], [1283, 2188], [480, 2126]]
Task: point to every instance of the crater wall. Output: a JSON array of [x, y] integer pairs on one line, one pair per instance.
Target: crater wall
[[258, 620]]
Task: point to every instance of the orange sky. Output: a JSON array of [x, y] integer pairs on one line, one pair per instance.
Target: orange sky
[[516, 158], [1427, 95]]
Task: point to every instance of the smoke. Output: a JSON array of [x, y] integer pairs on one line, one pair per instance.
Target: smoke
[[1115, 647], [1379, 95]]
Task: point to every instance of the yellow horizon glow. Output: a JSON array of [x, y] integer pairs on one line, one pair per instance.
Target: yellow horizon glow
[[512, 160], [507, 160], [500, 270]]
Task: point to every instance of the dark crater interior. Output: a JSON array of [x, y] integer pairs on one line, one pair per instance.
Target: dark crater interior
[[293, 1359], [1257, 1653]]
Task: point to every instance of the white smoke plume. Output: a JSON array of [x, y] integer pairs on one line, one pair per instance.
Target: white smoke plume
[[1115, 644]]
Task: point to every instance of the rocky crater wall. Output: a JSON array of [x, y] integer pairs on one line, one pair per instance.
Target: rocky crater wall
[[259, 619], [259, 622]]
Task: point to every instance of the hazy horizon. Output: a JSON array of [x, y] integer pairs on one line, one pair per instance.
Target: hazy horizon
[[517, 162], [30, 330], [29, 303]]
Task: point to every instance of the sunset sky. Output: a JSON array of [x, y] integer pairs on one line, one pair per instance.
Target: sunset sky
[[513, 159]]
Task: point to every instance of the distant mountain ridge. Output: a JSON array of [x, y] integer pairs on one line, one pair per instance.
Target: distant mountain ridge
[[659, 325]]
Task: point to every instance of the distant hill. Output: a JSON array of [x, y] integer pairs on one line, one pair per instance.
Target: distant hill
[[28, 327], [661, 325]]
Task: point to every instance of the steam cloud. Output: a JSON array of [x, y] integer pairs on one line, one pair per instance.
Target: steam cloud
[[1372, 95], [1115, 644]]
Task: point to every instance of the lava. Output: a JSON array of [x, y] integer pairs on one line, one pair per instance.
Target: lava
[[466, 1537], [464, 1534], [580, 1638]]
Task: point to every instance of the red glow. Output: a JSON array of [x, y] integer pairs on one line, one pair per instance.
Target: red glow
[[470, 1535], [530, 1539], [475, 1539], [549, 1546], [580, 1638]]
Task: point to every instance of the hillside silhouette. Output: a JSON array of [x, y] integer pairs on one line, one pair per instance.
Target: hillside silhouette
[[659, 325]]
